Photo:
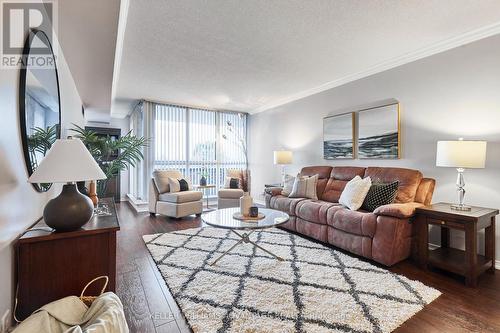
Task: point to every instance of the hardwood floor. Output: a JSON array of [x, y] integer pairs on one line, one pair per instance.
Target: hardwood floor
[[149, 306]]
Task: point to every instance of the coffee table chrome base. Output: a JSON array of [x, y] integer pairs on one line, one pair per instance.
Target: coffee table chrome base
[[245, 238]]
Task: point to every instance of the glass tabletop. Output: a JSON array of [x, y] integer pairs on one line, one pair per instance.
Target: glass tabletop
[[223, 218]]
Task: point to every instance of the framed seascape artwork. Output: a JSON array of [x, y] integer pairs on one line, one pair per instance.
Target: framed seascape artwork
[[338, 136], [379, 132]]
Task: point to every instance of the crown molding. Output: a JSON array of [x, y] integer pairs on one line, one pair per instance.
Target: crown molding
[[442, 46]]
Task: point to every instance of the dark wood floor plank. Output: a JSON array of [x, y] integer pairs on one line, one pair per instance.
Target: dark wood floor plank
[[459, 309], [170, 327], [176, 311], [158, 305], [136, 308]]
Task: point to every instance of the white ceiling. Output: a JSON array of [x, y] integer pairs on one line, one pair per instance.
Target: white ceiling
[[252, 55], [87, 34]]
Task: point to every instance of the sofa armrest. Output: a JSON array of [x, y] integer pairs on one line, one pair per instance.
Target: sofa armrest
[[399, 210], [273, 191]]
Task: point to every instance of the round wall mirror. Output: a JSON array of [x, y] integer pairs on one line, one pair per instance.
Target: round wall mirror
[[39, 102]]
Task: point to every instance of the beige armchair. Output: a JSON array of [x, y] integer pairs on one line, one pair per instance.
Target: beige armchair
[[173, 204], [228, 197]]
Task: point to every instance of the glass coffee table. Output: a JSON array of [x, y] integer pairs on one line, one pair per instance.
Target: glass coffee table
[[223, 218]]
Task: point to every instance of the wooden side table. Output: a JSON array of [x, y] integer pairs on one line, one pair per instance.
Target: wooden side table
[[467, 263]]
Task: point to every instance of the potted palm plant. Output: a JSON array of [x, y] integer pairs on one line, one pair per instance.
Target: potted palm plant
[[39, 143], [126, 151]]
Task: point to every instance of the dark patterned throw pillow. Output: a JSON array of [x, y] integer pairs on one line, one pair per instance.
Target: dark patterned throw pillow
[[379, 195], [183, 184], [234, 183]]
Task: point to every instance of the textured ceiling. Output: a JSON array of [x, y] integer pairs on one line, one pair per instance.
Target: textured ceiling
[[87, 34], [246, 55]]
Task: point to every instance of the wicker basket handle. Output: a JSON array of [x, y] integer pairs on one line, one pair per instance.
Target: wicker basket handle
[[94, 280]]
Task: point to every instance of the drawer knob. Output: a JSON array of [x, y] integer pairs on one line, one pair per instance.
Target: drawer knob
[[443, 222]]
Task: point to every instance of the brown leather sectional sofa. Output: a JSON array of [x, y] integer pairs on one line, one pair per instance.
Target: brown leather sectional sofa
[[383, 235]]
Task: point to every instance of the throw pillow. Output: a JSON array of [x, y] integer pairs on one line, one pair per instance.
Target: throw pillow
[[304, 187], [183, 184], [178, 185], [288, 181], [355, 192], [379, 195], [231, 182]]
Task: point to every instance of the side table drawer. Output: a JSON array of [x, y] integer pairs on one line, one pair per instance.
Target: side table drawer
[[448, 224]]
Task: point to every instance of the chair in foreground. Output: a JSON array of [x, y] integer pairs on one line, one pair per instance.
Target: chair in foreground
[[168, 201], [230, 197]]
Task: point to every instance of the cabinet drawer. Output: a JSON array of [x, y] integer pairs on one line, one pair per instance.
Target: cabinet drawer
[[449, 224]]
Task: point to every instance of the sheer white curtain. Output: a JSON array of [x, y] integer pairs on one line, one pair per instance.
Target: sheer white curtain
[[202, 137]]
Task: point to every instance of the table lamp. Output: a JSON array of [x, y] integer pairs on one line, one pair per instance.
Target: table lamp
[[68, 161], [283, 157], [462, 155]]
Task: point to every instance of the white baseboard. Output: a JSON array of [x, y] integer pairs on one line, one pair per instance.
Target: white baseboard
[[138, 205]]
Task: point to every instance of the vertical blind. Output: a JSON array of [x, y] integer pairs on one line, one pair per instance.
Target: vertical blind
[[196, 142]]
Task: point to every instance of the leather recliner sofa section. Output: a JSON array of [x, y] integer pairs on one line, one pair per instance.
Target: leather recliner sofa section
[[384, 235]]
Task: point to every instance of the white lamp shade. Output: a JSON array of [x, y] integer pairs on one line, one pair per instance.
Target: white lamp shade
[[67, 161], [461, 154], [282, 157]]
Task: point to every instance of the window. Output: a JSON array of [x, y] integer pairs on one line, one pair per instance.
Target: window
[[196, 142]]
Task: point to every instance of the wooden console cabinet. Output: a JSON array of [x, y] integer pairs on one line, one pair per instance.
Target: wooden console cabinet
[[54, 265]]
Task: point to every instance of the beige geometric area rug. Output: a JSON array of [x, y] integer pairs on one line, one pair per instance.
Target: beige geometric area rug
[[316, 288]]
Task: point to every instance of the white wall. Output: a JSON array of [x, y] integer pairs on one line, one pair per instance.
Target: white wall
[[124, 125], [20, 204], [452, 94]]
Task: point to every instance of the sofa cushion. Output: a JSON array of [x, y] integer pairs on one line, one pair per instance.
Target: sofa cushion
[[360, 245], [353, 222], [181, 197], [313, 230], [230, 193], [409, 180], [323, 173], [337, 181], [285, 204], [313, 211]]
